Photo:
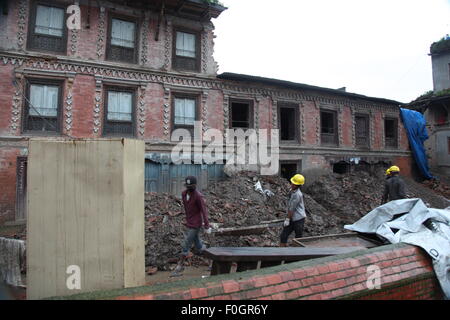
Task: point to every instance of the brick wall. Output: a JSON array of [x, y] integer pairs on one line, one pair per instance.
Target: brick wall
[[406, 273], [8, 165]]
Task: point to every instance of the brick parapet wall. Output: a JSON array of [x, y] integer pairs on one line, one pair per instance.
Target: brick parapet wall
[[406, 273]]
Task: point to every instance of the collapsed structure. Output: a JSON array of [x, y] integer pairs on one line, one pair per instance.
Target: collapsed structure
[[142, 69]]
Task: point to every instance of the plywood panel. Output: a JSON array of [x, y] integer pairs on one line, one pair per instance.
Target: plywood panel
[[86, 208]]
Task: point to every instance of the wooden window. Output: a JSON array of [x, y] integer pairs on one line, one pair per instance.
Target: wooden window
[[119, 112], [184, 111], [362, 137], [186, 51], [47, 29], [390, 132], [328, 128], [241, 114], [288, 124], [122, 40], [42, 107]]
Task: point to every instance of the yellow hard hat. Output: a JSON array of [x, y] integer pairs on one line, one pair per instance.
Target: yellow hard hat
[[388, 171], [298, 180], [394, 169]]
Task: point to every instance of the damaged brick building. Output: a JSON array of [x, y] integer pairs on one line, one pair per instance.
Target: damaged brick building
[[143, 68]]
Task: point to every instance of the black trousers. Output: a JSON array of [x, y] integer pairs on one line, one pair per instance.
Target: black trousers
[[296, 226]]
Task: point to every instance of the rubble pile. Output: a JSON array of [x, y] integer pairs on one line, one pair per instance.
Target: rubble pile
[[331, 201], [230, 203], [348, 196], [438, 186]]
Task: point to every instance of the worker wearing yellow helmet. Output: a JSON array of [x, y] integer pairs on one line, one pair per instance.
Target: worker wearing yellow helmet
[[394, 187], [296, 213]]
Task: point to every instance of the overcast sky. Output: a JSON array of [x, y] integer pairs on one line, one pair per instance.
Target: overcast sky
[[376, 48]]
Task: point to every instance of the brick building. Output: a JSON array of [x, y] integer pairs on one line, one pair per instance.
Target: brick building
[[143, 68]]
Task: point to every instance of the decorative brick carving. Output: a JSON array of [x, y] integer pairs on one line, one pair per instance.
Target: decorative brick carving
[[73, 41], [68, 107], [16, 106], [144, 43], [141, 111], [274, 113], [194, 82], [21, 23], [302, 123], [97, 105], [167, 45], [166, 112], [256, 112], [101, 33], [226, 114], [204, 111]]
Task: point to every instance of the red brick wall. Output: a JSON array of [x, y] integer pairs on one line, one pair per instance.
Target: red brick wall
[[6, 99], [8, 164], [310, 122], [347, 128], [83, 91], [154, 102], [406, 273]]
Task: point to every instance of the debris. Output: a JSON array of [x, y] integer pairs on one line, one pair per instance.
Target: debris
[[151, 270]]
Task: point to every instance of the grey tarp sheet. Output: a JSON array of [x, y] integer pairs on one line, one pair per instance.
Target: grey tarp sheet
[[433, 236]]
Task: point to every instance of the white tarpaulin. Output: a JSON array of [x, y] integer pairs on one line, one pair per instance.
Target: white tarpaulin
[[410, 221]]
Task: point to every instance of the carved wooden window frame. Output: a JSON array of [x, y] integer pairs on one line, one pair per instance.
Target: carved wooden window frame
[[185, 95], [32, 35], [290, 105], [367, 117], [109, 46], [395, 139], [176, 59], [26, 117], [251, 113], [107, 123], [335, 114]]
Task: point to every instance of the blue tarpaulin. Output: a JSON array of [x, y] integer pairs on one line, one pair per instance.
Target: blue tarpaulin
[[414, 123]]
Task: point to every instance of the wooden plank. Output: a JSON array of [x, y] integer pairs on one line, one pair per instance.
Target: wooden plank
[[273, 253], [85, 208], [247, 230], [336, 240]]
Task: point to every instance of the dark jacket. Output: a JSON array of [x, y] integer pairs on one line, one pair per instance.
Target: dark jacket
[[195, 208], [394, 189]]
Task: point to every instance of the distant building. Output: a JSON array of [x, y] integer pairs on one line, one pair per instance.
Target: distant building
[[435, 106], [144, 68]]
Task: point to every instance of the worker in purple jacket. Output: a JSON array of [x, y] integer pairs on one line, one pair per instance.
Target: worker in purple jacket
[[196, 218]]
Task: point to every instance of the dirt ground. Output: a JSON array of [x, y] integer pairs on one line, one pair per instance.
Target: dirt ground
[[188, 273]]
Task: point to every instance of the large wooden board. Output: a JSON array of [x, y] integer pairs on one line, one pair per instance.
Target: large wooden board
[[85, 209], [272, 253]]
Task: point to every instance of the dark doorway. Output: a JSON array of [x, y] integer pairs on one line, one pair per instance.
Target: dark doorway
[[240, 115], [288, 169], [288, 130], [341, 167]]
